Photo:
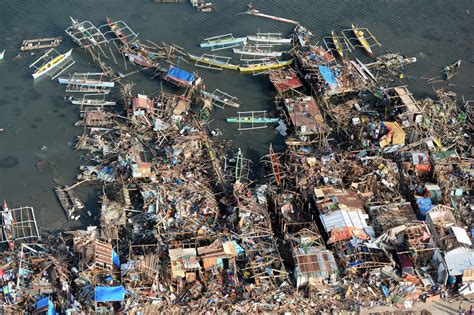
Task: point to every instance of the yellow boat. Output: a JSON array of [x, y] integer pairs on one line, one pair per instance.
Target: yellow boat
[[213, 62], [265, 66], [51, 64], [337, 44], [361, 38]]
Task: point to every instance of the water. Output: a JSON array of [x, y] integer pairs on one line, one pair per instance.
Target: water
[[38, 123]]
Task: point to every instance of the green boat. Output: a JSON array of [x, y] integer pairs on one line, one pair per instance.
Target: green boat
[[252, 120]]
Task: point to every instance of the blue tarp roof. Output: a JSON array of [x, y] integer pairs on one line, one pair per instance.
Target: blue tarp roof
[[328, 75], [45, 302], [109, 294], [181, 74]]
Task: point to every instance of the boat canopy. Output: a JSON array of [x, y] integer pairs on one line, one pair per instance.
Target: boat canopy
[[181, 75], [328, 75]]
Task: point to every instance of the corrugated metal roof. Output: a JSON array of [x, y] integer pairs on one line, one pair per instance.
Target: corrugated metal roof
[[342, 218], [458, 260]]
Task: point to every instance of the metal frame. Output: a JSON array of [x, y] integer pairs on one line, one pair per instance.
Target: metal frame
[[329, 43], [81, 38], [23, 225], [221, 37], [366, 31]]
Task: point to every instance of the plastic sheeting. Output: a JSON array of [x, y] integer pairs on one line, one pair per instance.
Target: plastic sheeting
[[109, 294], [43, 303], [181, 75], [328, 75], [116, 259]]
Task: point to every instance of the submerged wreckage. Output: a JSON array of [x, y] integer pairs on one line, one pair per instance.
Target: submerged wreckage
[[370, 204]]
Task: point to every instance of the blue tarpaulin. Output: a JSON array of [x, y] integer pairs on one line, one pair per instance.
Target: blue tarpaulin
[[424, 204], [116, 259], [181, 74], [43, 303], [109, 294], [328, 75]]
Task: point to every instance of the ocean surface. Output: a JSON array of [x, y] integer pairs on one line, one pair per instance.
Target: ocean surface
[[38, 133]]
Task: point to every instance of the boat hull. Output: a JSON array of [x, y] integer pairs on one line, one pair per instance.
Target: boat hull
[[263, 67], [268, 40], [214, 62], [364, 43], [224, 43], [250, 120], [91, 83], [257, 53], [52, 64]]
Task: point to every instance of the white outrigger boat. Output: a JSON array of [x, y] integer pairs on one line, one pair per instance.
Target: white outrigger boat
[[269, 38], [93, 102], [257, 50], [79, 27], [53, 63], [87, 79]]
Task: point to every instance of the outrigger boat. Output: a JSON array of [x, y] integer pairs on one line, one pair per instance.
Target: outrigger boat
[[78, 26], [93, 102], [7, 226], [337, 44], [363, 36], [221, 99], [140, 60], [258, 51], [82, 79], [252, 120], [2, 54], [269, 38], [263, 66], [117, 31], [53, 63], [360, 35], [214, 62], [222, 42]]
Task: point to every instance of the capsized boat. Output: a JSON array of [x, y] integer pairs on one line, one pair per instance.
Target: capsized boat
[[53, 63], [252, 120], [78, 26], [265, 66], [269, 38], [337, 44], [360, 35]]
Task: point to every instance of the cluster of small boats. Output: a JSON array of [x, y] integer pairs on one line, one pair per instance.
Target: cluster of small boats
[[255, 50]]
